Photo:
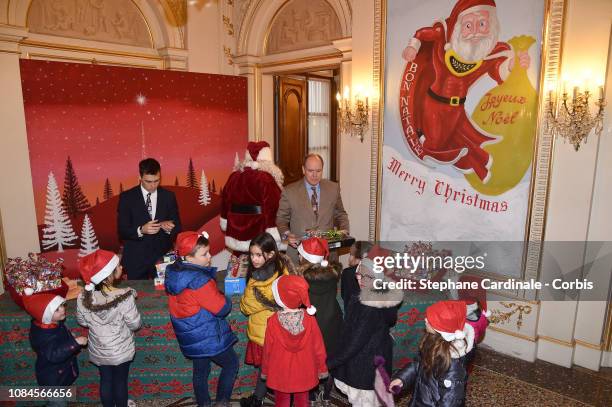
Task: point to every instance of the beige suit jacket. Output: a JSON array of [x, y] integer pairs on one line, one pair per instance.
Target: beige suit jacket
[[295, 212]]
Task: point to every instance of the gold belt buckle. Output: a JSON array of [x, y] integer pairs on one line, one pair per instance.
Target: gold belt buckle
[[454, 101]]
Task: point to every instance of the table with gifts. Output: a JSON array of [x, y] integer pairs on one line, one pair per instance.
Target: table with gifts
[[159, 369]]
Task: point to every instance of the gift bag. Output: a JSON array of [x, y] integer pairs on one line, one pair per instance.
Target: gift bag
[[509, 111]]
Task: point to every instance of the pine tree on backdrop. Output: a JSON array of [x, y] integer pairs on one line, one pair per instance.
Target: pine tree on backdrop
[[204, 198], [236, 162], [121, 187], [89, 240], [73, 199], [108, 190], [176, 184], [213, 188], [58, 228], [192, 182], [97, 201]]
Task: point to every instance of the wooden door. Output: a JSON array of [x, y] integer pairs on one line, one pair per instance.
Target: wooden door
[[291, 125]]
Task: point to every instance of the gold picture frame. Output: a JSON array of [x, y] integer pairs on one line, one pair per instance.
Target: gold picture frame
[[552, 37]]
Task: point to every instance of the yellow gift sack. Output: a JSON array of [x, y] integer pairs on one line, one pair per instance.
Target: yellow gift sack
[[510, 111]]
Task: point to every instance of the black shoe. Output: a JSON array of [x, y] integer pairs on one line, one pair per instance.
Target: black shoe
[[251, 401]]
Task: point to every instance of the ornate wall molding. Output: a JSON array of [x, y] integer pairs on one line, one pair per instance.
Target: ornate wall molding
[[115, 21], [164, 48], [300, 24]]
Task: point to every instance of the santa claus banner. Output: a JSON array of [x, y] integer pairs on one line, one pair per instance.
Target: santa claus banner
[[461, 87], [88, 127]]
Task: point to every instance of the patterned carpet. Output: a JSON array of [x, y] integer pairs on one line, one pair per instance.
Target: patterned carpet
[[159, 370]]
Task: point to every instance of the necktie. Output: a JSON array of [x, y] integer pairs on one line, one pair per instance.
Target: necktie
[[149, 205], [313, 201]]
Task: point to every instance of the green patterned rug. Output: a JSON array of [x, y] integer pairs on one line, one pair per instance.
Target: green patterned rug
[[159, 369]]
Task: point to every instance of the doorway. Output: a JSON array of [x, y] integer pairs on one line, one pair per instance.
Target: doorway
[[305, 121]]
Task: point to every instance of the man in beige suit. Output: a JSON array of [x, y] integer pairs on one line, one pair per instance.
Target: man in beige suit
[[310, 203]]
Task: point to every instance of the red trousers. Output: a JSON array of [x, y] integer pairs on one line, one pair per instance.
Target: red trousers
[[284, 399]]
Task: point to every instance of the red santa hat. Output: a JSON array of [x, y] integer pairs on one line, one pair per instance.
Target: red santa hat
[[315, 250], [96, 266], [42, 306], [291, 291], [462, 6], [473, 304], [259, 151], [186, 241], [447, 318]]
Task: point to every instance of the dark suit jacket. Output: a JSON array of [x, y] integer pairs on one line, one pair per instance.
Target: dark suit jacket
[[141, 253]]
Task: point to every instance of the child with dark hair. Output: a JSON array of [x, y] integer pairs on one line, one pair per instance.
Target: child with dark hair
[[369, 317], [438, 375], [111, 315], [55, 347], [322, 278], [266, 264], [348, 282], [197, 312]]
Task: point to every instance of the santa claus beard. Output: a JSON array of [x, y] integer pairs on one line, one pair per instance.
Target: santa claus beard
[[471, 50]]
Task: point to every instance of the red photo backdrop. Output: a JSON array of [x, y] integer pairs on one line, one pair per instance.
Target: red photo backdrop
[[90, 125]]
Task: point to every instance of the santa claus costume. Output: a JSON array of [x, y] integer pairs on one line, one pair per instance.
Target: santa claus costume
[[294, 353], [250, 201]]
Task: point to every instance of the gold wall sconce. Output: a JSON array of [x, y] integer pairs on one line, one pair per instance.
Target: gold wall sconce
[[353, 115]]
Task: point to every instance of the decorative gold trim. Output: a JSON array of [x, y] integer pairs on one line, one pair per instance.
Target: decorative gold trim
[[588, 344], [151, 39], [499, 317], [76, 48], [514, 334], [228, 25], [552, 36], [380, 29], [228, 54], [607, 337], [93, 61], [557, 341], [301, 60]]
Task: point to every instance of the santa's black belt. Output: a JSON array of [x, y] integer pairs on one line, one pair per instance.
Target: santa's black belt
[[453, 100], [246, 209]]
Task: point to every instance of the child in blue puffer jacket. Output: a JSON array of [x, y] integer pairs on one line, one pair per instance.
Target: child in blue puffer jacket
[[197, 312]]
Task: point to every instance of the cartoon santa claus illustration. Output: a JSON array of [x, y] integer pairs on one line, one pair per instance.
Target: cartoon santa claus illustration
[[444, 61]]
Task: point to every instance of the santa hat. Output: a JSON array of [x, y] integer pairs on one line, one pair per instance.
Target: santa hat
[[447, 318], [291, 291], [186, 241], [42, 306], [473, 304], [315, 250], [96, 266], [462, 6], [259, 151]]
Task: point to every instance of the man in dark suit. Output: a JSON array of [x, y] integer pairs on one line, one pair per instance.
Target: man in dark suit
[[148, 221], [310, 203]]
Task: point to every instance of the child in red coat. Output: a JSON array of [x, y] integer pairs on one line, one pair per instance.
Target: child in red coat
[[293, 339]]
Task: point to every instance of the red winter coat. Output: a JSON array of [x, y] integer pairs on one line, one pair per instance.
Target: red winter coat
[[293, 363]]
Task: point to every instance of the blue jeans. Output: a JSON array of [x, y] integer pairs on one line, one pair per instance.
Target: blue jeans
[[114, 384], [228, 360]]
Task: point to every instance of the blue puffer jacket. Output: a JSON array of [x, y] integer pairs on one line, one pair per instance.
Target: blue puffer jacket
[[56, 354], [198, 310]]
